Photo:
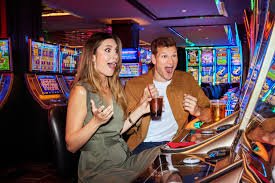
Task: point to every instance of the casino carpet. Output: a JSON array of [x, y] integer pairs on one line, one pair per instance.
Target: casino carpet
[[32, 172]]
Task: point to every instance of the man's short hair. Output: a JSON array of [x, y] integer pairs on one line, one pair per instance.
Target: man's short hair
[[162, 42]]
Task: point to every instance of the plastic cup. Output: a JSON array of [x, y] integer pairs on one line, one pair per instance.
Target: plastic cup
[[218, 108], [156, 108]]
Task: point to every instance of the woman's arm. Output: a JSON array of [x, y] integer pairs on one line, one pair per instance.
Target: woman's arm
[[77, 134], [133, 118], [143, 107]]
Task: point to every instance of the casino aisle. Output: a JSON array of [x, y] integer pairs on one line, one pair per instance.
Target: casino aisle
[[39, 90]]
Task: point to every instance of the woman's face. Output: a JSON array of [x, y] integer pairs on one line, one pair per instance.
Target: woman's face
[[106, 58]]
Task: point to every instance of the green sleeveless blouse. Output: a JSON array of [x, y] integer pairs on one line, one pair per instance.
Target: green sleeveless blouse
[[106, 156]]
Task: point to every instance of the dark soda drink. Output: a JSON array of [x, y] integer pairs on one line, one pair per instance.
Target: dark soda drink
[[156, 108]]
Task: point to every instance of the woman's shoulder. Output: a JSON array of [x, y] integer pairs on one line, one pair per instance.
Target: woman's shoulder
[[83, 84], [78, 90]]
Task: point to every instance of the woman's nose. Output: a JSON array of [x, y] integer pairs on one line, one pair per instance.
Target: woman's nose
[[114, 56]]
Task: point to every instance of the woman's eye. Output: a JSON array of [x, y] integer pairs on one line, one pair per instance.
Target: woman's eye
[[164, 56], [108, 50]]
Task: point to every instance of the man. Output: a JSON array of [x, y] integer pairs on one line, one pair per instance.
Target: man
[[181, 94]]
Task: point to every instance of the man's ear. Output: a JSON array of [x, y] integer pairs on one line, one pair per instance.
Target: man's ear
[[154, 60]]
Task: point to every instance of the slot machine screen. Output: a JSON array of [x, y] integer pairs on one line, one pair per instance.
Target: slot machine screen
[[43, 57], [130, 55], [49, 84], [130, 70], [69, 59], [69, 80], [145, 56], [193, 57], [207, 57], [5, 60]]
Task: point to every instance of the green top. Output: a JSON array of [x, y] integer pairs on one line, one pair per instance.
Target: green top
[[106, 156]]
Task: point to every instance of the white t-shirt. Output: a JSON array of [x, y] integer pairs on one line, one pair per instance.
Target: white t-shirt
[[166, 128]]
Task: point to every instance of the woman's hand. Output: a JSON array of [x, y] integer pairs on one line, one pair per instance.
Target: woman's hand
[[102, 115], [149, 92]]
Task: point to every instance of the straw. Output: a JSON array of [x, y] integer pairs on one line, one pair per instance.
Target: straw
[[150, 92]]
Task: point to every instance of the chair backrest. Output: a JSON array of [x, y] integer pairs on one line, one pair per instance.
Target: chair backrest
[[66, 162]]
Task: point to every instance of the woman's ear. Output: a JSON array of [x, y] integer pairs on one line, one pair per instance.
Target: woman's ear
[[94, 58]]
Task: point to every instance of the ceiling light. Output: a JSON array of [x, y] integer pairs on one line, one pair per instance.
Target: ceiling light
[[199, 29], [183, 11], [206, 38]]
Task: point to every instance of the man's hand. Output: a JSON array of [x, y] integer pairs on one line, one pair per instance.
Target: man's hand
[[190, 105], [149, 92]]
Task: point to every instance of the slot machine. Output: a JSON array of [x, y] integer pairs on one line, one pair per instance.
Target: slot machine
[[236, 65], [221, 66], [6, 74], [193, 65], [145, 59], [69, 58], [42, 81], [207, 64], [229, 155], [131, 67], [46, 94]]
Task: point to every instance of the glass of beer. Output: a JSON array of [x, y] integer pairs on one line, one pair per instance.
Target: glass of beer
[[156, 107], [217, 110]]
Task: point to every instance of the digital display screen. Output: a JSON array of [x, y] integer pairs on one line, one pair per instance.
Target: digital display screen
[[49, 84], [236, 72], [235, 56], [221, 74], [207, 56], [194, 71], [69, 81], [43, 57], [130, 70], [145, 56], [4, 55], [69, 59], [207, 74], [221, 56], [193, 57], [130, 55]]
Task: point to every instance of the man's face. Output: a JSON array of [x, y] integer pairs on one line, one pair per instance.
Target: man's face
[[165, 62]]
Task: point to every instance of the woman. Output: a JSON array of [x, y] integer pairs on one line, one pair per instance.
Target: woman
[[96, 116]]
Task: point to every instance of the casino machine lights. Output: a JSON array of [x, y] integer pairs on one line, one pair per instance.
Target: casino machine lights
[[69, 58], [42, 81], [6, 74], [145, 59], [131, 66]]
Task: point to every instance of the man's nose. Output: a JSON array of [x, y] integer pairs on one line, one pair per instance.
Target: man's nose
[[170, 60]]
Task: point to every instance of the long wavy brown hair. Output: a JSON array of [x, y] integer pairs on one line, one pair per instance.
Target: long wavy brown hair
[[86, 71]]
